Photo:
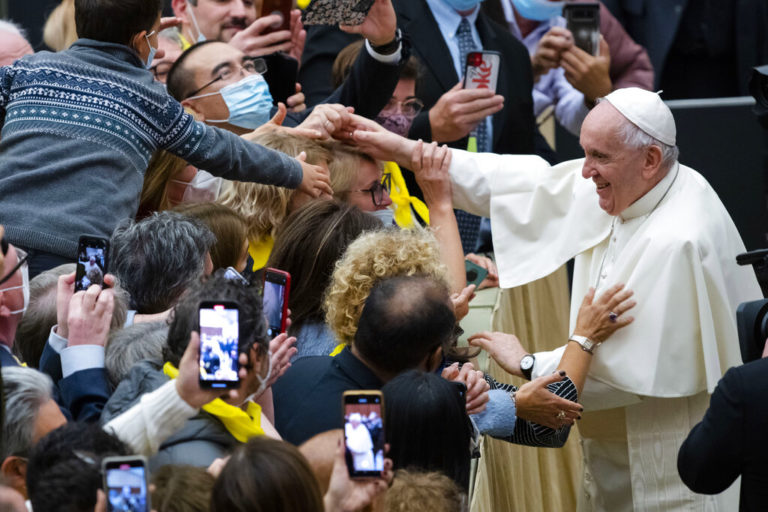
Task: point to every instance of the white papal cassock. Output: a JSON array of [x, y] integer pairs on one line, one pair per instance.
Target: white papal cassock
[[649, 384]]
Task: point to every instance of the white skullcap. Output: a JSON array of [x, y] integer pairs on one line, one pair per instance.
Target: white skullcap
[[647, 111], [355, 416]]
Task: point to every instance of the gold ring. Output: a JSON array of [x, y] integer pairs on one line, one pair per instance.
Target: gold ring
[[561, 415]]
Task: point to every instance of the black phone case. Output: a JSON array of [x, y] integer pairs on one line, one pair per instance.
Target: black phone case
[[281, 75]]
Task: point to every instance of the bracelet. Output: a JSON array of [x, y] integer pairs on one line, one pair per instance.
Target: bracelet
[[587, 345], [391, 47]]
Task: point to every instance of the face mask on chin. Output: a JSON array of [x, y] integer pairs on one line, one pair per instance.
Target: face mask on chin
[[385, 216], [248, 101]]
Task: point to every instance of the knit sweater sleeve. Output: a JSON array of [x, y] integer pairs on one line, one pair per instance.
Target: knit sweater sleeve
[[5, 91], [224, 154]]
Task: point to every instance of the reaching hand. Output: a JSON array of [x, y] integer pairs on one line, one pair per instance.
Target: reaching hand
[[283, 349], [382, 144], [315, 180], [549, 50], [379, 26], [252, 43], [430, 164], [461, 301], [535, 403], [492, 279], [296, 101], [587, 73], [298, 35], [89, 316], [188, 381], [474, 380], [504, 348], [459, 111], [328, 119], [595, 320]]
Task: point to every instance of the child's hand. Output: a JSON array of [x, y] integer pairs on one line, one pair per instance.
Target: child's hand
[[316, 181]]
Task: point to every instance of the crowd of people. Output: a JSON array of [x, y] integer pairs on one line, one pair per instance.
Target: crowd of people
[[204, 148]]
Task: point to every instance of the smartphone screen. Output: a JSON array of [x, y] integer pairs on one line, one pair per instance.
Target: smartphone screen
[[583, 21], [475, 273], [364, 433], [92, 253], [482, 70], [276, 288], [125, 484], [219, 337]]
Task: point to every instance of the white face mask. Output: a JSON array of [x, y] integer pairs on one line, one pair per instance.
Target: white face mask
[[203, 188], [200, 36], [385, 216], [262, 380], [24, 286]]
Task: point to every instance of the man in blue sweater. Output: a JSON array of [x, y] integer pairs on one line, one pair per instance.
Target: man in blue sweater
[[79, 127]]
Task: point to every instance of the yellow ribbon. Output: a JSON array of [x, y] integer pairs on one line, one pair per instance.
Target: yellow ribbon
[[303, 4], [338, 349], [243, 425], [184, 43], [404, 204], [260, 251]]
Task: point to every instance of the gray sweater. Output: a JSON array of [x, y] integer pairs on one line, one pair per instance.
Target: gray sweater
[[78, 130]]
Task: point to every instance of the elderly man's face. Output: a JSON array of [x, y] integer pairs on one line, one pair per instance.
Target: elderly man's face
[[220, 20], [615, 169], [12, 47]]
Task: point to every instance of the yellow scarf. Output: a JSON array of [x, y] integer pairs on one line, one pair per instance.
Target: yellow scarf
[[243, 425], [260, 251], [401, 199]]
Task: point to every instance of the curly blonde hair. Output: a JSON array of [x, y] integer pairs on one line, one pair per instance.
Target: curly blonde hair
[[369, 259]]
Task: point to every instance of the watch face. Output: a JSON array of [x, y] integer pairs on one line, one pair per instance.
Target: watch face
[[526, 363]]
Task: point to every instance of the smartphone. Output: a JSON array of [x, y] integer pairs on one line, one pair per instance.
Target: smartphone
[[233, 275], [335, 12], [92, 259], [277, 287], [364, 437], [219, 327], [280, 7], [281, 76], [482, 70], [583, 20], [475, 273], [126, 483]]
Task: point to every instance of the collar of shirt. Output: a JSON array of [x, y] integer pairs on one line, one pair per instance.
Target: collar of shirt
[[356, 370], [448, 21], [531, 41], [120, 51], [646, 204]]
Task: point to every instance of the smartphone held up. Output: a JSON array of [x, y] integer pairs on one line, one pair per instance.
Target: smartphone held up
[[219, 324], [126, 483], [277, 287], [482, 70], [92, 259], [364, 432]]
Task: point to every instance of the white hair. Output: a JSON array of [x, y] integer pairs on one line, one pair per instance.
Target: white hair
[[12, 28], [26, 391]]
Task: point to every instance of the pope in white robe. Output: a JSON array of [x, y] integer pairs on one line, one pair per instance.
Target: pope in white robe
[[629, 213]]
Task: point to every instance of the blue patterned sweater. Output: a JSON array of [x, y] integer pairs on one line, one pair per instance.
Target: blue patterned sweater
[[78, 129]]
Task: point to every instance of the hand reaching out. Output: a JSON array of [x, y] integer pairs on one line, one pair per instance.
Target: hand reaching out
[[504, 348], [477, 386], [461, 301], [430, 164], [535, 403], [283, 349], [492, 279], [315, 180]]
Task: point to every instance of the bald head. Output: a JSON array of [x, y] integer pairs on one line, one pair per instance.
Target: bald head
[[13, 44]]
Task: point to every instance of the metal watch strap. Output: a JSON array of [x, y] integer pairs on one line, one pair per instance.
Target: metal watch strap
[[586, 344]]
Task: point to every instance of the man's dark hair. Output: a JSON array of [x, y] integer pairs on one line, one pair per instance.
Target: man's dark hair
[[64, 469], [404, 320], [115, 21], [181, 80], [253, 326], [158, 258]]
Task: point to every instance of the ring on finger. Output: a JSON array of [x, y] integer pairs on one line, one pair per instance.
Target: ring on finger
[[613, 317], [561, 415]]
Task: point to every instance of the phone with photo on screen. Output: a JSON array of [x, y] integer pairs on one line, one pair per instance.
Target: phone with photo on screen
[[92, 259], [219, 327], [126, 483], [364, 437], [277, 288], [482, 70], [583, 21]]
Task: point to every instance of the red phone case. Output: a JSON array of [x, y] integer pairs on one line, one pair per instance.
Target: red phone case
[[282, 275], [482, 70]]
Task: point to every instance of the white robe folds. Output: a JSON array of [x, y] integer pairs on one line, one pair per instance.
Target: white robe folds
[[675, 248]]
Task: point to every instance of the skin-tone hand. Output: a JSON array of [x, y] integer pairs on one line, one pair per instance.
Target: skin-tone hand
[[276, 123], [461, 301], [380, 143], [2, 258], [315, 180], [156, 317], [459, 111], [379, 27], [535, 403], [188, 381], [477, 386], [594, 319], [64, 292], [296, 102], [283, 349], [587, 73], [348, 495], [168, 22], [251, 41], [492, 279], [89, 316], [504, 348], [549, 50], [216, 466], [327, 119], [298, 36]]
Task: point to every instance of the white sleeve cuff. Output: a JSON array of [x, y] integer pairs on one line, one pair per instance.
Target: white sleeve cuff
[[546, 362], [384, 59], [81, 357], [56, 342]]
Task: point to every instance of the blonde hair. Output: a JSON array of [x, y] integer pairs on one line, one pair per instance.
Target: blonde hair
[[59, 31], [264, 207], [162, 168], [369, 259], [415, 491], [344, 167]]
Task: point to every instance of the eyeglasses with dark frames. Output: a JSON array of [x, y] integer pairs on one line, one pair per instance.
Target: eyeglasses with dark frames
[[250, 64]]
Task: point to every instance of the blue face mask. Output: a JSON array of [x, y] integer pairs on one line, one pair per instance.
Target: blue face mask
[[200, 36], [538, 10], [152, 51], [249, 102], [463, 5]]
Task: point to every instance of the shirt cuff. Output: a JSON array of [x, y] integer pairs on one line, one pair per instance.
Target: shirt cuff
[[81, 357], [499, 417], [56, 342], [385, 59]]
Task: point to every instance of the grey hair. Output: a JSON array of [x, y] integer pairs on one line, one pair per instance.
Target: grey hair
[[35, 326], [10, 27], [172, 34], [633, 137], [128, 346], [25, 390], [158, 258]]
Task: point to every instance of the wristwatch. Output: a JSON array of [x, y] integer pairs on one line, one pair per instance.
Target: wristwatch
[[587, 345], [526, 365], [390, 47]]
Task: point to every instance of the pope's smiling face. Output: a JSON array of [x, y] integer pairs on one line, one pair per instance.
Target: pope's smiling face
[[616, 170]]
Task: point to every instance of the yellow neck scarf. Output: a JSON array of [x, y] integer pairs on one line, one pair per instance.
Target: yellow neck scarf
[[402, 201], [260, 251], [243, 425]]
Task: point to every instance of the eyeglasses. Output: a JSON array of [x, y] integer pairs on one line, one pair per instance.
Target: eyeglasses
[[22, 256], [22, 264], [251, 65], [377, 192], [161, 70], [410, 107]]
